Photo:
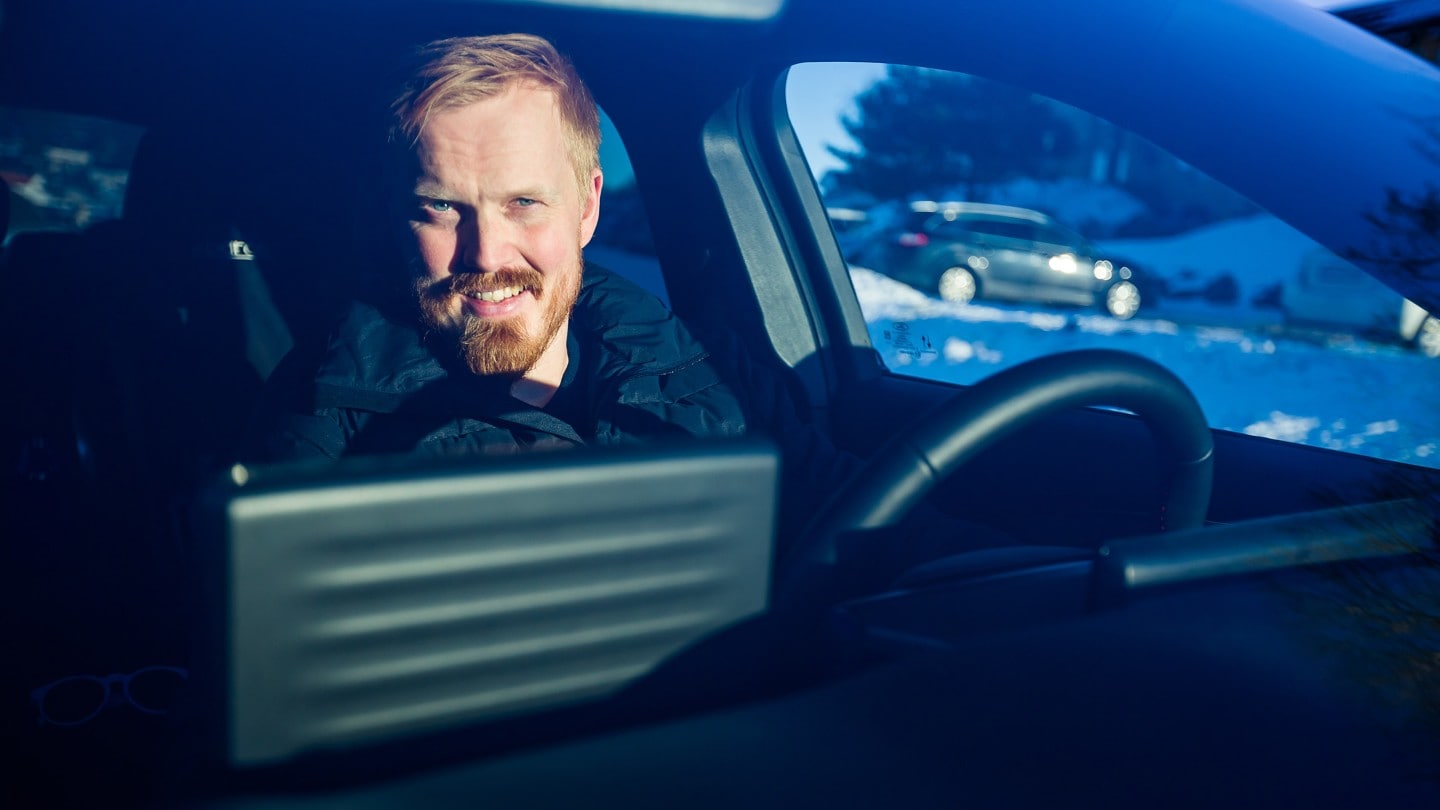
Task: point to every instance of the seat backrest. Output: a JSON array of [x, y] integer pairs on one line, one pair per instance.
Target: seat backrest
[[196, 330], [144, 343]]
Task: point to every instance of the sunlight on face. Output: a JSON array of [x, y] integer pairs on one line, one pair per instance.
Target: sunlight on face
[[498, 225]]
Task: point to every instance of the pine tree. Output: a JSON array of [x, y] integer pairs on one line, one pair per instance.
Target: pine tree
[[925, 133]]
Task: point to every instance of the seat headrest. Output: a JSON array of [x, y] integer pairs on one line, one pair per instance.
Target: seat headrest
[[174, 182]]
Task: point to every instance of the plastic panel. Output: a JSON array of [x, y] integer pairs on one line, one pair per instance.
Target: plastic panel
[[363, 610]]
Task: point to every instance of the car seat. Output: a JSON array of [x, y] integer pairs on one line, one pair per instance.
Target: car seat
[[196, 331]]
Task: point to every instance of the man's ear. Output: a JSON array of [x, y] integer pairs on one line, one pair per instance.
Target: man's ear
[[590, 213]]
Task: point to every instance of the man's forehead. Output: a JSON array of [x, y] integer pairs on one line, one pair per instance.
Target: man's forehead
[[511, 120], [479, 115]]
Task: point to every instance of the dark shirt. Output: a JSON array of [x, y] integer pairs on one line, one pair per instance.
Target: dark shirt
[[571, 403]]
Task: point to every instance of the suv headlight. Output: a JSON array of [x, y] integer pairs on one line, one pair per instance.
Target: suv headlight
[[1064, 263]]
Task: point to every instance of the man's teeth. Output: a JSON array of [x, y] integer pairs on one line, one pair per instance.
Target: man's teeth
[[496, 296]]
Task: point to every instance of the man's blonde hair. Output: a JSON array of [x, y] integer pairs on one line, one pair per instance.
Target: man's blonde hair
[[462, 70]]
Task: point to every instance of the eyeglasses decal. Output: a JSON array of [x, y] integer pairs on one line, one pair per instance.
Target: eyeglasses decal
[[78, 699]]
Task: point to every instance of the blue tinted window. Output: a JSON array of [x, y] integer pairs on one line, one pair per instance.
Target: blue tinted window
[[1277, 336]]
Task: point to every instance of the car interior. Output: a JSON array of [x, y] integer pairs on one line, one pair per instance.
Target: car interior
[[1133, 643]]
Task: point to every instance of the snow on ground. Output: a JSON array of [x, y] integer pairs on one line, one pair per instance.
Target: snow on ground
[[1324, 390], [1250, 374]]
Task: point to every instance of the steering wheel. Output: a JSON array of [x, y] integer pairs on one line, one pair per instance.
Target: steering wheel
[[903, 472]]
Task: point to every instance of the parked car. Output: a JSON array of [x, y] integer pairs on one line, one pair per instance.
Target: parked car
[[965, 251], [1167, 624], [1329, 291], [850, 224]]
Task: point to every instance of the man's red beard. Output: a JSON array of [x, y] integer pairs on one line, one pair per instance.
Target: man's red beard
[[497, 347]]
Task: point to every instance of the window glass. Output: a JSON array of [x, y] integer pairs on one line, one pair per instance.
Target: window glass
[[1108, 241], [1009, 229], [63, 172]]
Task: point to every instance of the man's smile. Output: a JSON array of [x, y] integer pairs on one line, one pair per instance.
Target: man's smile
[[496, 296], [499, 303]]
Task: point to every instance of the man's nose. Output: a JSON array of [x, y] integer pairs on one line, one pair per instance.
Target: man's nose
[[487, 243]]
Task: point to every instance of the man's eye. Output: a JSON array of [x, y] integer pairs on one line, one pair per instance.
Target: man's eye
[[438, 206], [525, 202]]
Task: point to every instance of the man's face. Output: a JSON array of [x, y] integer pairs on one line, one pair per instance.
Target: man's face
[[498, 223]]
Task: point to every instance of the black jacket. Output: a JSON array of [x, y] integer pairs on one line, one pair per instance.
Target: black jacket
[[636, 374]]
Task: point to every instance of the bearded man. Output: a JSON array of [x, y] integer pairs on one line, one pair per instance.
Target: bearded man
[[513, 343]]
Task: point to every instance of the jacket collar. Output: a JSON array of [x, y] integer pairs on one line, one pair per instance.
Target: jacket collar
[[379, 362]]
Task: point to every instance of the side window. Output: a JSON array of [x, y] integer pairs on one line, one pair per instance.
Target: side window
[[622, 240], [1108, 241], [63, 172], [1003, 228], [1055, 235]]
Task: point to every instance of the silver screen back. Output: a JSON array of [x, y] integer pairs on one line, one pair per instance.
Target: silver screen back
[[402, 598]]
